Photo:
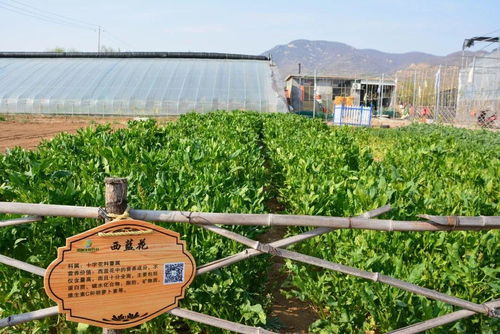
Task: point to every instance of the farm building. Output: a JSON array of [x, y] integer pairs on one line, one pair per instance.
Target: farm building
[[136, 83], [364, 92]]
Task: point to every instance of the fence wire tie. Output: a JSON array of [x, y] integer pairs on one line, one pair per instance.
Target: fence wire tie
[[453, 221], [496, 312], [267, 248], [269, 219], [191, 219], [492, 311], [483, 220], [103, 214], [376, 277]]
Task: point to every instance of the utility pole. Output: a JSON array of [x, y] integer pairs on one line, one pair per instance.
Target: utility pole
[[414, 87], [437, 84], [381, 96], [314, 96], [99, 39]]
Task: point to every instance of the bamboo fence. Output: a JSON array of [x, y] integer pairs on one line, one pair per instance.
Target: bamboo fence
[[209, 221], [434, 223]]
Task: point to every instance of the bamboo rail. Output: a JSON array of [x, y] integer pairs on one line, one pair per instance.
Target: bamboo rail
[[49, 210], [35, 315], [216, 322], [17, 319], [210, 218], [442, 320], [250, 252], [22, 265], [179, 312], [455, 221], [326, 224], [376, 277], [23, 220]]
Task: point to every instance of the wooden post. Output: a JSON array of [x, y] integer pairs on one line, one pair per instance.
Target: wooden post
[[116, 194], [116, 202]]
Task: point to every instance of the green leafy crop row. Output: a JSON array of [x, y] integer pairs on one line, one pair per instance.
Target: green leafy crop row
[[418, 169], [202, 162], [238, 162]]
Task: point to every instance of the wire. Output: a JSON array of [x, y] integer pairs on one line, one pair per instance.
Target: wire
[[484, 47], [41, 16], [55, 18], [491, 32], [55, 14], [116, 38]]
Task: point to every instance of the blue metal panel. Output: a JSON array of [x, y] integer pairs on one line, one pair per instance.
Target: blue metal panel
[[348, 115]]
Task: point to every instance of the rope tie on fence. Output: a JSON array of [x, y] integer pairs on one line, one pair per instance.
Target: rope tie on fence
[[349, 221], [376, 277], [119, 216], [483, 220]]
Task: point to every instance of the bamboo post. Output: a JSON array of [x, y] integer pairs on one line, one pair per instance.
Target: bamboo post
[[116, 203]]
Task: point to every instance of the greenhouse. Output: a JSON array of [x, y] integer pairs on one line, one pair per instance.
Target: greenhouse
[[136, 84], [479, 88]]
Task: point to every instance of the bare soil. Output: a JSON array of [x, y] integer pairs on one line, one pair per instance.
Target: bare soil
[[392, 123], [28, 131]]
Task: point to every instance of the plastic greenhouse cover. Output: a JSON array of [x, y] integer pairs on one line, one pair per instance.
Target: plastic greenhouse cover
[[136, 86]]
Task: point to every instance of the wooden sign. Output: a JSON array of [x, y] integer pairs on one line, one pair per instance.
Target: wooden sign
[[120, 274]]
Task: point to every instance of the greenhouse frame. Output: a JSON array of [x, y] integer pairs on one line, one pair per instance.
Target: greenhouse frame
[[136, 83], [479, 87]]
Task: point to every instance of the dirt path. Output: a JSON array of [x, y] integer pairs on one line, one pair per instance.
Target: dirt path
[[290, 315], [293, 315]]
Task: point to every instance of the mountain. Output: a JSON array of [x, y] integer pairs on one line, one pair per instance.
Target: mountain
[[334, 58]]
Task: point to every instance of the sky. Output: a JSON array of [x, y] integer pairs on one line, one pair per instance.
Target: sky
[[249, 27]]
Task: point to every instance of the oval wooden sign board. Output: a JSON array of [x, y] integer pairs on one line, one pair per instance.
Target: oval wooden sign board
[[120, 274]]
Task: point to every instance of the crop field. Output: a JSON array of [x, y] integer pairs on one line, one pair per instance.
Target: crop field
[[242, 161]]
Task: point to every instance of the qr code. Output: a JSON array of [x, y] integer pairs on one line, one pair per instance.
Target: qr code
[[173, 273]]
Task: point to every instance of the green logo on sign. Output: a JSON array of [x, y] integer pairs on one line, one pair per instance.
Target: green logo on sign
[[87, 247]]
